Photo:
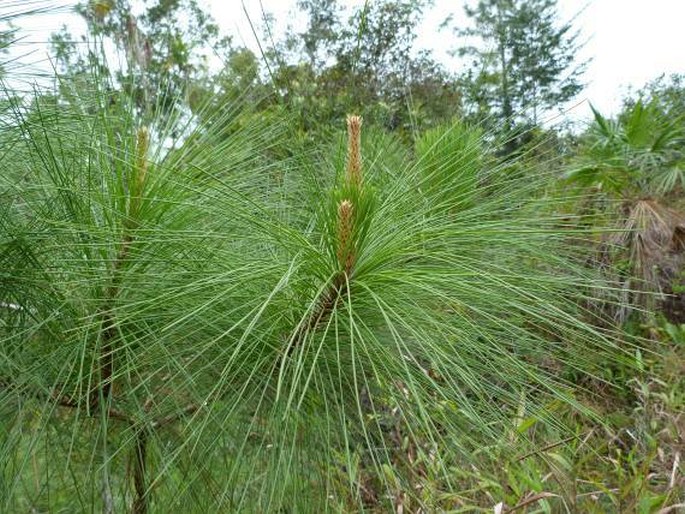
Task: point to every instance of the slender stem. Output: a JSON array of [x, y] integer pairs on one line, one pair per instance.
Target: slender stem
[[172, 418], [108, 326], [140, 501], [108, 329]]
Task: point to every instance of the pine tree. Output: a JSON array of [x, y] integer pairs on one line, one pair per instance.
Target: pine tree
[[525, 63]]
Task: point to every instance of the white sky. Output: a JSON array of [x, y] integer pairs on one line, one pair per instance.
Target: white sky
[[630, 41]]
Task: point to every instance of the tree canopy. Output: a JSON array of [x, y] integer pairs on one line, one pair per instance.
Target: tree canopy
[[524, 62]]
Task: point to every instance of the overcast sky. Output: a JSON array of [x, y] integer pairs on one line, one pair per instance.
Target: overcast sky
[[629, 41]]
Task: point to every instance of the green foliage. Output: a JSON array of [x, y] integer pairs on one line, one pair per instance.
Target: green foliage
[[165, 50], [6, 37], [450, 159], [212, 301], [668, 93], [639, 153], [364, 62], [205, 323], [638, 158], [628, 464], [525, 63]]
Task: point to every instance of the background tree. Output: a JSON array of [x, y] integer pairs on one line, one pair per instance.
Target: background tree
[[166, 49], [524, 62], [322, 30], [364, 58]]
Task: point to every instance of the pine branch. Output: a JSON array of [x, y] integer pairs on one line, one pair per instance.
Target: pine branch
[[58, 399], [108, 328]]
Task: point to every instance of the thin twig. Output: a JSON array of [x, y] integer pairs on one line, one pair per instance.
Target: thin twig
[[545, 448], [60, 400], [171, 418]]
